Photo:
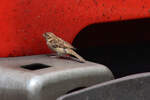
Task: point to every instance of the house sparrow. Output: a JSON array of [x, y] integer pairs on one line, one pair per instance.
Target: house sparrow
[[60, 46]]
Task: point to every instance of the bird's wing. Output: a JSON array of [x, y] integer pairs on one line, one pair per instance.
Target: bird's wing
[[65, 44]]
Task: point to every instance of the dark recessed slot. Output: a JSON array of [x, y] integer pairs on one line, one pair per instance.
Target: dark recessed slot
[[35, 66], [76, 89]]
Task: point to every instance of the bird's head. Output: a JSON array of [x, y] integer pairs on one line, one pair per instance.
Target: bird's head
[[48, 35]]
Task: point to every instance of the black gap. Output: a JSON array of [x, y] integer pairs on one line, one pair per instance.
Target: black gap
[[112, 33], [122, 60], [76, 89], [35, 66], [122, 46]]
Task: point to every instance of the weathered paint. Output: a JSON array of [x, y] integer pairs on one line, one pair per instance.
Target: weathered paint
[[22, 22]]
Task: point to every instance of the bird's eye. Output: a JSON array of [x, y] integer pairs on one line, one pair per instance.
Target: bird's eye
[[48, 37]]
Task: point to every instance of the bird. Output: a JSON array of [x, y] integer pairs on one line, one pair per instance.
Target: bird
[[60, 46]]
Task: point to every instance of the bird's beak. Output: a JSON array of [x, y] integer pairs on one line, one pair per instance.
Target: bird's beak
[[44, 35]]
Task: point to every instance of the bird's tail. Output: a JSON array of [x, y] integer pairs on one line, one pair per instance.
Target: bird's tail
[[71, 52]]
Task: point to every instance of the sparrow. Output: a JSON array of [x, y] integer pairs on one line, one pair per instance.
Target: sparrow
[[60, 46]]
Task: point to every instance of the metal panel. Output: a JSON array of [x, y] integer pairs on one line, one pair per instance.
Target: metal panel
[[43, 77], [135, 87]]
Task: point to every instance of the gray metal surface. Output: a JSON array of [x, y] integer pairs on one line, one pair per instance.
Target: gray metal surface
[[59, 77], [134, 87]]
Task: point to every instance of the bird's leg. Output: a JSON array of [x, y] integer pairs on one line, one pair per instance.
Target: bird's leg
[[61, 55], [52, 54]]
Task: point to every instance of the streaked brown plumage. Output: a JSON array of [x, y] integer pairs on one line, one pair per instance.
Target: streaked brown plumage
[[60, 46]]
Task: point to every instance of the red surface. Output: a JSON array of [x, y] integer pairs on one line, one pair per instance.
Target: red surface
[[22, 22]]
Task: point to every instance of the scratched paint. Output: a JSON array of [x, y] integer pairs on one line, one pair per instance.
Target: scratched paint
[[24, 21]]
